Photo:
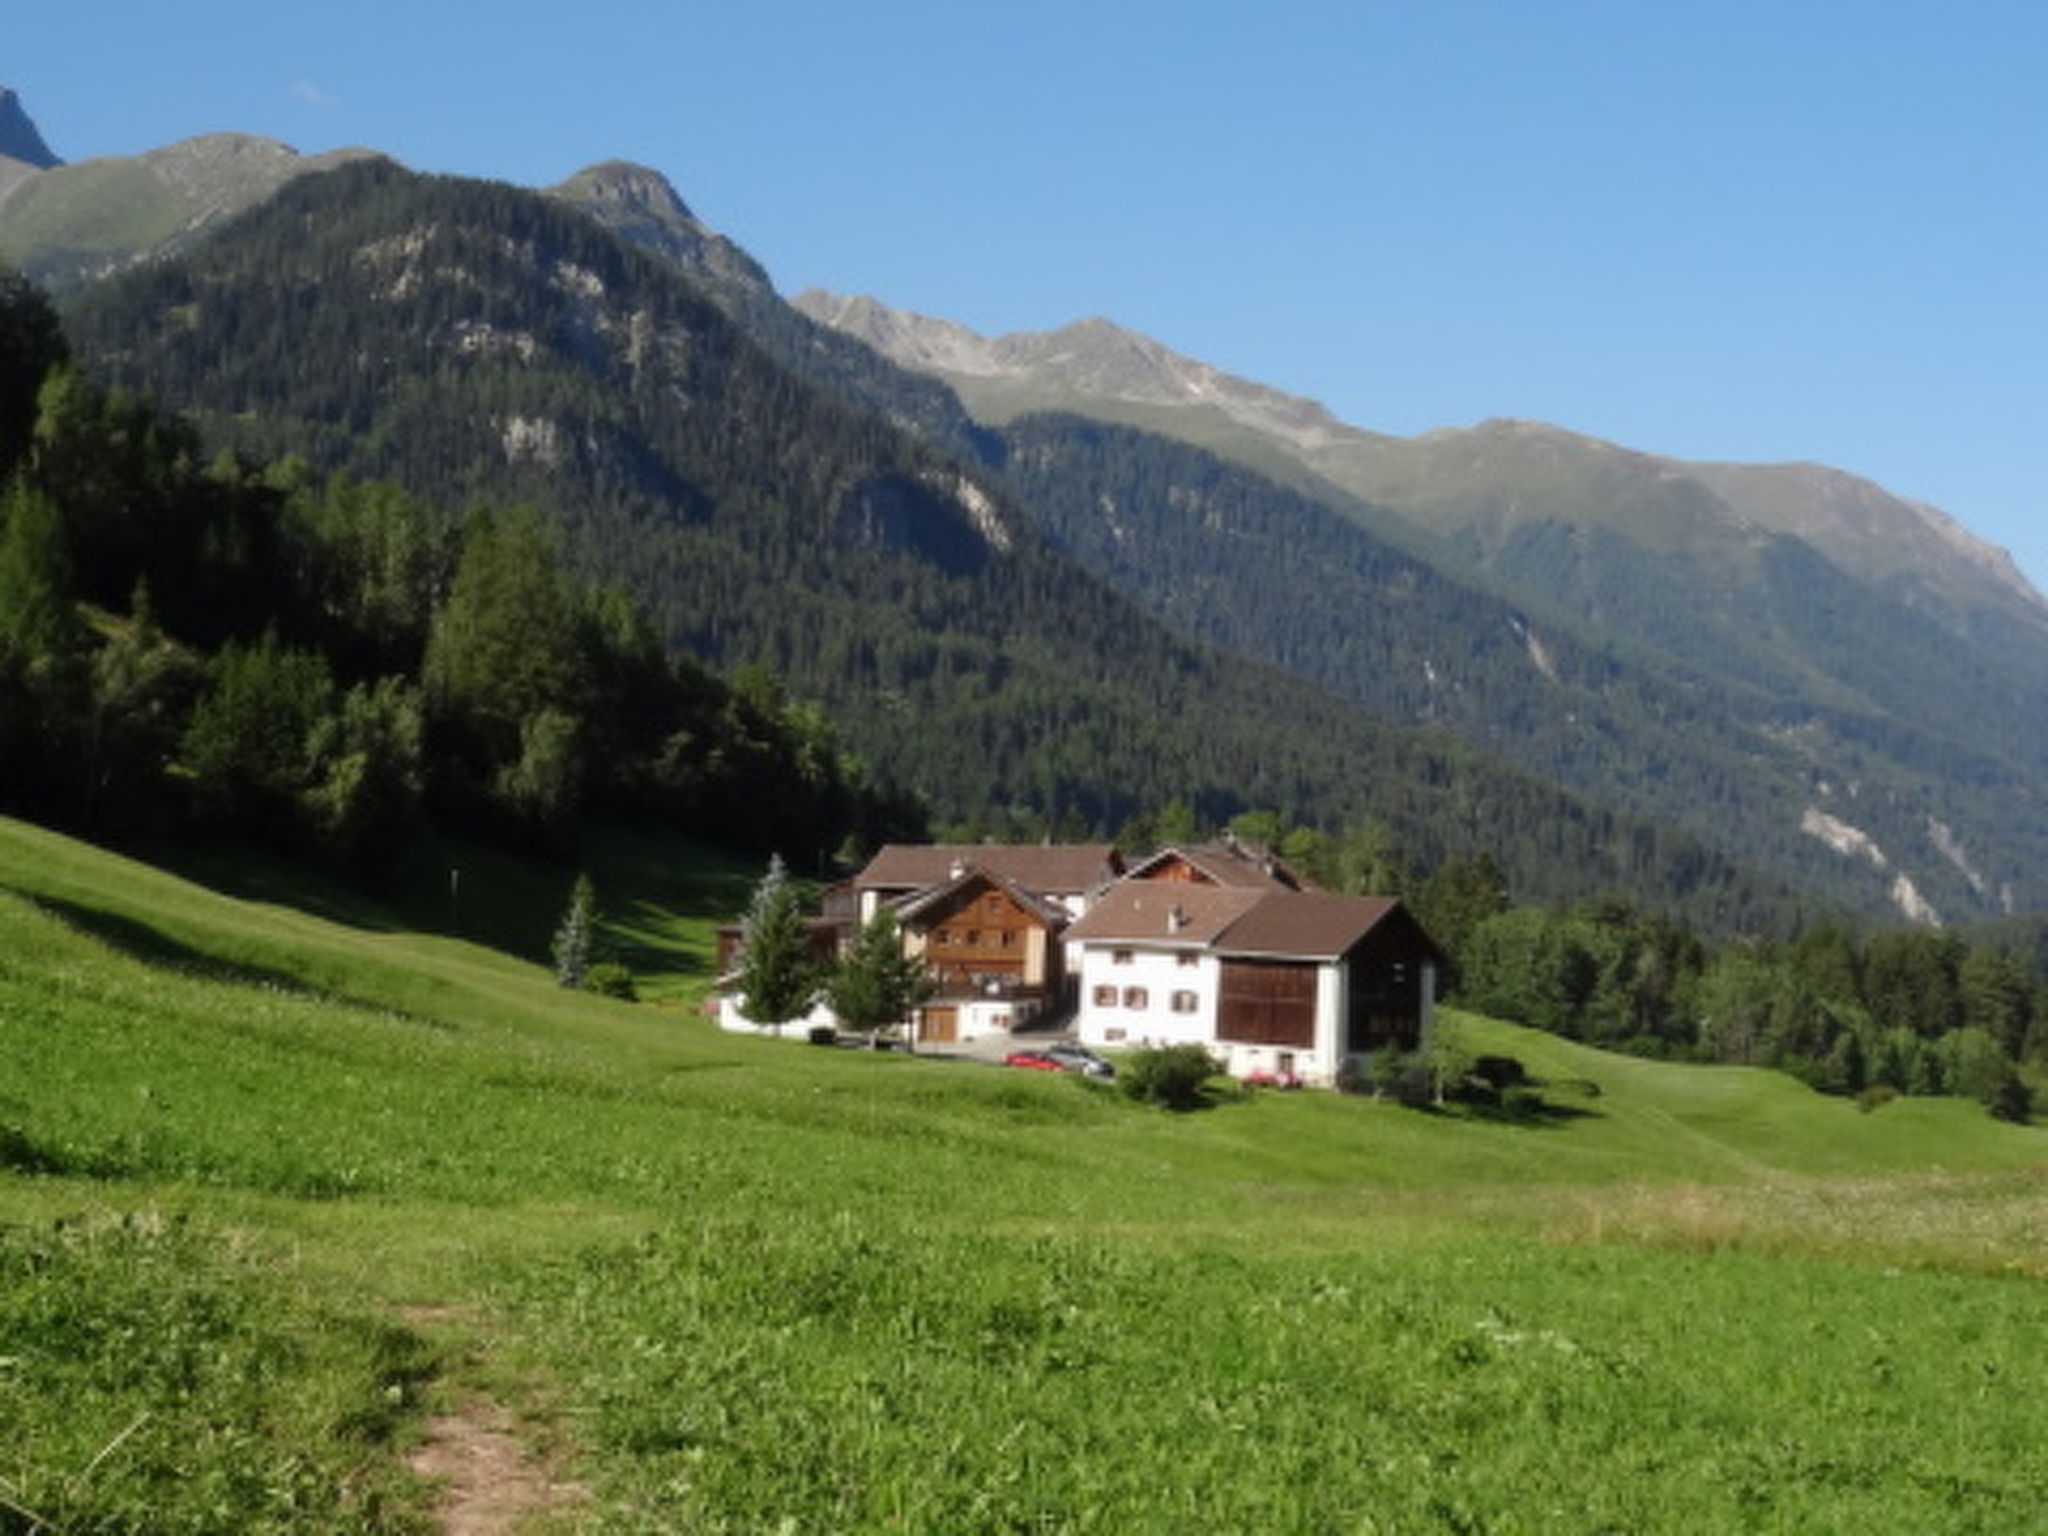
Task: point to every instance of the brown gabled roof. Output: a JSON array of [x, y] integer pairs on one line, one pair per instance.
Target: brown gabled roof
[[1161, 912], [1233, 920], [1306, 925], [937, 897], [1232, 863], [1046, 869]]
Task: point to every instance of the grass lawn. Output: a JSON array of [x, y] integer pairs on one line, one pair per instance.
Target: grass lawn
[[279, 1193]]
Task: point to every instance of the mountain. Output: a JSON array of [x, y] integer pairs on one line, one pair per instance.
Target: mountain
[[1479, 485], [1783, 652], [1660, 653], [21, 143], [642, 206], [65, 225], [481, 343]]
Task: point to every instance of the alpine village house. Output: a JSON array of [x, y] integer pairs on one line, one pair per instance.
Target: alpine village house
[[1220, 945]]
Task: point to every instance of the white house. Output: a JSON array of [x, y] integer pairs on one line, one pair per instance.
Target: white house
[[1272, 979]]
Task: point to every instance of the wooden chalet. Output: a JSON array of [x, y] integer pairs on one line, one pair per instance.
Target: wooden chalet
[[993, 952], [1071, 874], [1231, 862]]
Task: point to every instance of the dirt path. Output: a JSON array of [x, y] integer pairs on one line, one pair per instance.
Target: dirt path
[[493, 1484], [494, 1479]]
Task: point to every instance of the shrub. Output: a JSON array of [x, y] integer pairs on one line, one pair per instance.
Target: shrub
[[1171, 1076], [2011, 1100], [1876, 1096], [610, 979]]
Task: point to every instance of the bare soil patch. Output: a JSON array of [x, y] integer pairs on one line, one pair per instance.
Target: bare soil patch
[[495, 1478]]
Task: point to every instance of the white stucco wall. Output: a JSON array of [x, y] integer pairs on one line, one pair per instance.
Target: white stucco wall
[[1117, 1026], [1159, 973], [732, 1017]]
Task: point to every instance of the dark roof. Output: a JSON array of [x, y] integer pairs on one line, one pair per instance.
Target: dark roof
[[1163, 912], [916, 905], [1306, 924], [1049, 869], [1295, 925]]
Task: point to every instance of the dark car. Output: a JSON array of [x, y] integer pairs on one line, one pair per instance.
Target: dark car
[[1078, 1058]]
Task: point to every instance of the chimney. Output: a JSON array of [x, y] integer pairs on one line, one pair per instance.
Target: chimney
[[1176, 918]]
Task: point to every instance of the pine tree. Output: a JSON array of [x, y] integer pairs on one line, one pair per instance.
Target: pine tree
[[778, 978], [875, 984], [575, 937]]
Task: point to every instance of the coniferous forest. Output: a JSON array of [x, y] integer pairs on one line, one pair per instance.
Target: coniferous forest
[[208, 642], [475, 343]]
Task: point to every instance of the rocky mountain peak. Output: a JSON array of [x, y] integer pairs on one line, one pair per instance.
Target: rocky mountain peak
[[626, 184], [19, 138], [1089, 360], [644, 206]]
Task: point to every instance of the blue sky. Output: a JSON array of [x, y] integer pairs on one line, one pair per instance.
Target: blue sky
[[1761, 231]]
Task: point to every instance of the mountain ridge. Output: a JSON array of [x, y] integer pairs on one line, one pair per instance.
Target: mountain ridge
[[1086, 366], [68, 224]]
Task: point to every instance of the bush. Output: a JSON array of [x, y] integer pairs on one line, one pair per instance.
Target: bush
[[1172, 1076], [1500, 1072], [1876, 1096], [2011, 1100], [610, 979]]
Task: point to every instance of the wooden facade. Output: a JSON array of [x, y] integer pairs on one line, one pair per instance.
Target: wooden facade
[[1267, 1002], [982, 939], [1386, 996], [1177, 868]]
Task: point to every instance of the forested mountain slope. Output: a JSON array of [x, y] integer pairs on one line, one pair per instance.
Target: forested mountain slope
[[1276, 574], [1795, 655], [475, 342]]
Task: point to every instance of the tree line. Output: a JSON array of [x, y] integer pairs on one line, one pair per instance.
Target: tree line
[[1863, 1012]]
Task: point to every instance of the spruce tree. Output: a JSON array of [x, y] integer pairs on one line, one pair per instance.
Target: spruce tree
[[575, 937], [875, 984], [778, 978]]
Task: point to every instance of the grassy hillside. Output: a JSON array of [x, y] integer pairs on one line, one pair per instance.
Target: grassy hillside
[[282, 1197]]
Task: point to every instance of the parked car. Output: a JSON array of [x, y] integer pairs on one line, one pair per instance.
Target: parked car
[[1036, 1061], [1078, 1058]]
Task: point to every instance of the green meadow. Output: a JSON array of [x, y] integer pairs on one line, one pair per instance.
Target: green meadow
[[288, 1184]]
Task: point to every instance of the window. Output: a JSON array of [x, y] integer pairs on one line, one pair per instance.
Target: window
[[1137, 997], [1105, 997], [1120, 957], [1187, 957], [1185, 1001]]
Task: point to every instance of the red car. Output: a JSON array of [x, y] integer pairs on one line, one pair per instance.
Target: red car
[[1036, 1061]]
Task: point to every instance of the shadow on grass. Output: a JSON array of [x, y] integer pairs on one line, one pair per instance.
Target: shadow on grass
[[650, 885], [1540, 1114], [152, 946]]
